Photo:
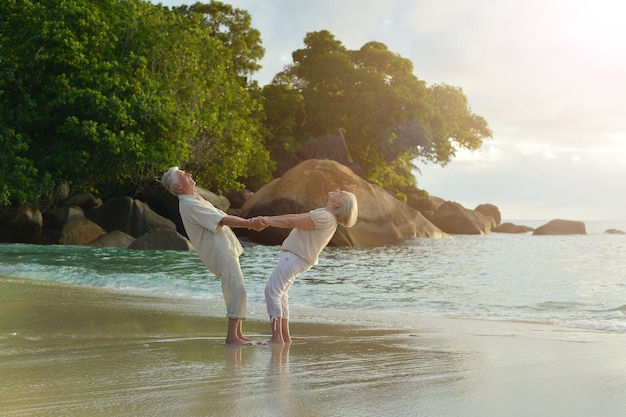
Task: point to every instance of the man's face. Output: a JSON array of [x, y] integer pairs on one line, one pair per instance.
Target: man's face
[[185, 181]]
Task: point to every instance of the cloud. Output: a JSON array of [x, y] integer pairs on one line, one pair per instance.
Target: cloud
[[534, 181]]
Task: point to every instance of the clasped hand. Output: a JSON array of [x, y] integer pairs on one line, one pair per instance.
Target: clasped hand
[[258, 223]]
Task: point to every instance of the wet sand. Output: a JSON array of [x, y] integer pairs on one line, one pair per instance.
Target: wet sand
[[77, 351]]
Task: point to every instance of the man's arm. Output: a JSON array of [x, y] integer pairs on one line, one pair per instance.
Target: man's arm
[[255, 223]]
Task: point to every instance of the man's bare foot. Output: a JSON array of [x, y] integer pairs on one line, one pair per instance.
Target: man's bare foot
[[238, 342], [239, 334]]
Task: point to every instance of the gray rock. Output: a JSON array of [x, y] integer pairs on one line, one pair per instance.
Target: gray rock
[[162, 239], [490, 210], [511, 228], [80, 232], [20, 225], [561, 227], [114, 239], [128, 215], [453, 218]]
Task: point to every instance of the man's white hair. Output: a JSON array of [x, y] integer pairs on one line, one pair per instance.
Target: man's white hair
[[169, 180]]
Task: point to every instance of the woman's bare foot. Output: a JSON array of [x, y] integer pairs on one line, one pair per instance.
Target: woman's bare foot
[[275, 341], [277, 331], [285, 331]]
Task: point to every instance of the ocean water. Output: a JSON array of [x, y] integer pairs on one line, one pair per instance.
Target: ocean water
[[574, 281]]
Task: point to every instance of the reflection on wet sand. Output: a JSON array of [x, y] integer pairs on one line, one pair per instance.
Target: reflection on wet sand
[[70, 351], [202, 377], [279, 398], [279, 378], [372, 373]]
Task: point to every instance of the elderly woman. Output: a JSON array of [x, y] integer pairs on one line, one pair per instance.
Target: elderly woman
[[311, 233]]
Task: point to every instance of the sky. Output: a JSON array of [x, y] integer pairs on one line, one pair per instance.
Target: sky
[[548, 76]]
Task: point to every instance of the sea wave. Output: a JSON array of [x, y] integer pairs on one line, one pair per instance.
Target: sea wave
[[574, 281]]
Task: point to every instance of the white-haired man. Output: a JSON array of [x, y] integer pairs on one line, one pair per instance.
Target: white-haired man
[[217, 246]]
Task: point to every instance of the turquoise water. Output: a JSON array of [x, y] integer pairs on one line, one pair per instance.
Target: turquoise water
[[575, 280]]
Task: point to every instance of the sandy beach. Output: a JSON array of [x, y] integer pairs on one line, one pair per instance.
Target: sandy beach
[[78, 351]]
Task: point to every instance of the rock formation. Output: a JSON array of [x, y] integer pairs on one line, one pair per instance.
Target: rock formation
[[490, 210], [561, 227], [511, 228], [453, 218], [382, 218], [128, 215]]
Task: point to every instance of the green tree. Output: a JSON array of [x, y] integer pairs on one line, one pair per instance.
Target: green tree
[[229, 145], [232, 27], [103, 95], [285, 110], [86, 107], [389, 117], [19, 178]]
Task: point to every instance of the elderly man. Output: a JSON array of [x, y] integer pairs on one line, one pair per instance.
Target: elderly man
[[217, 246]]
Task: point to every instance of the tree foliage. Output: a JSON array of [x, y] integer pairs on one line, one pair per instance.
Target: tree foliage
[[102, 95], [389, 117], [232, 27]]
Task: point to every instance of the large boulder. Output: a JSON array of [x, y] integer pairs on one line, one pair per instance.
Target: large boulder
[[561, 227], [20, 225], [508, 227], [490, 210], [424, 205], [237, 199], [128, 215], [162, 239], [59, 217], [55, 220], [114, 239], [453, 218], [82, 200], [80, 231], [382, 218]]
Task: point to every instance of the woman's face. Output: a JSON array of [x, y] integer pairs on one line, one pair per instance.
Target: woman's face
[[336, 195]]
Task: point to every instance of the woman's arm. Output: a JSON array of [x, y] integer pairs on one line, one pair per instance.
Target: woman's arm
[[301, 221]]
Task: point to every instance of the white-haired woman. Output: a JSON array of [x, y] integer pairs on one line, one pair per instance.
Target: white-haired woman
[[311, 233]]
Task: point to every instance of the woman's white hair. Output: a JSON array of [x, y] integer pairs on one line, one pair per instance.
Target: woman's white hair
[[169, 180], [348, 212]]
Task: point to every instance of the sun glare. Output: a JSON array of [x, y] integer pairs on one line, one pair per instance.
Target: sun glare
[[596, 25]]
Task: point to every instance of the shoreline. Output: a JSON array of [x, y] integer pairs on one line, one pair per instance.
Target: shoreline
[[70, 350]]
